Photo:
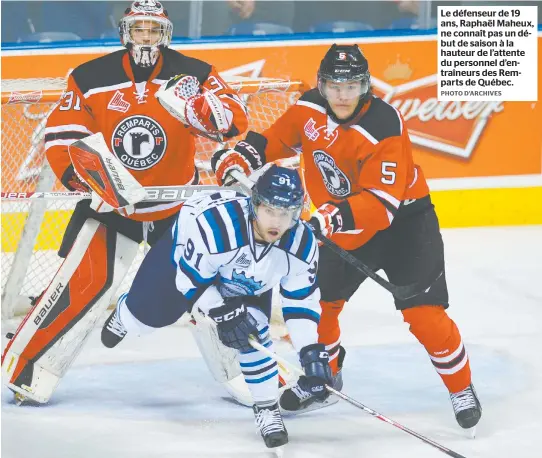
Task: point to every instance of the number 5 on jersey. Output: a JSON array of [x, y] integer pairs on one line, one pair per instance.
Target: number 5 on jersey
[[388, 172]]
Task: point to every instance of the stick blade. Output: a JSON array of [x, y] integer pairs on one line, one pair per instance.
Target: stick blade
[[414, 289]]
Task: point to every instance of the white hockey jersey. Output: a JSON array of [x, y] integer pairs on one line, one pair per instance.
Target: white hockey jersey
[[216, 257]]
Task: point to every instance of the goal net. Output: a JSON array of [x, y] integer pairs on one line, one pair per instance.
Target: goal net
[[32, 230]]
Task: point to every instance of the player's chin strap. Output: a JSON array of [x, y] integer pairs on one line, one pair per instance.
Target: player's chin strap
[[286, 366], [400, 292]]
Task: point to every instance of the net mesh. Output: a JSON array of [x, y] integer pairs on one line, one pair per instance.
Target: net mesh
[[25, 107]]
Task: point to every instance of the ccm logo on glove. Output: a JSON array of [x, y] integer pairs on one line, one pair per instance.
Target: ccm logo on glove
[[230, 315]]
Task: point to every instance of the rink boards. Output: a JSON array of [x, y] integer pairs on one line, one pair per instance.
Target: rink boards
[[498, 206]]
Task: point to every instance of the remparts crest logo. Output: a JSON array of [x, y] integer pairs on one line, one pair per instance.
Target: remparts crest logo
[[335, 180], [139, 142]]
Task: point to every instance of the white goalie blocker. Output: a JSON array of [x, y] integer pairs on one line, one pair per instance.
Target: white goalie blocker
[[196, 106], [113, 187], [54, 331]]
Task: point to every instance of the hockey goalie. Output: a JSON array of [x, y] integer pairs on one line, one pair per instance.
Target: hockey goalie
[[126, 120]]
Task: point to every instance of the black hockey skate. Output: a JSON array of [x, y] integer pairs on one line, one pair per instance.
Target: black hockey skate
[[467, 407], [113, 330], [297, 400], [269, 421]]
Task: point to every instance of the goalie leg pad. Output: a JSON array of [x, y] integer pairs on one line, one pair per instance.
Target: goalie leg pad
[[54, 331], [127, 227], [221, 360], [82, 212]]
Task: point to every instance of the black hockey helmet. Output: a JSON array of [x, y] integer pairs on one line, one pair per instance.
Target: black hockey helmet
[[344, 63], [279, 187]]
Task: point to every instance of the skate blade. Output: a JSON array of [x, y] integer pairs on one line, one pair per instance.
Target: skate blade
[[314, 406], [279, 451], [471, 432]]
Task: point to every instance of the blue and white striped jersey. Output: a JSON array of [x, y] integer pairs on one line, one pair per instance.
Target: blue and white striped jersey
[[216, 257]]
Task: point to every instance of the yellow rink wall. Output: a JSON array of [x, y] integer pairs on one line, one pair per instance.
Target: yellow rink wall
[[455, 208], [51, 231], [488, 207]]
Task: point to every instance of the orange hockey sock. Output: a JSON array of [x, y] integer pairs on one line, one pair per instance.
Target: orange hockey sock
[[329, 332], [437, 332]]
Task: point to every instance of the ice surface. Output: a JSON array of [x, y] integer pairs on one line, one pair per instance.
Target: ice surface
[[153, 396]]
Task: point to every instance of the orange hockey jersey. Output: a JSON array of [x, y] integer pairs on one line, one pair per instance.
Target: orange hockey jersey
[[103, 96], [367, 163]]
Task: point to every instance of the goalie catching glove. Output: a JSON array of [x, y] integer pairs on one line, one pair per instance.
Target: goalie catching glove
[[194, 105], [234, 324], [245, 157]]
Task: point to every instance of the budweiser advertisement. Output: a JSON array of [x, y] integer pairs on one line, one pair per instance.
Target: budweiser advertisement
[[451, 139]]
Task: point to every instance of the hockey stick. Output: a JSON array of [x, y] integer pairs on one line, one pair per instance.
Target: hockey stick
[[400, 292], [285, 364], [154, 193]]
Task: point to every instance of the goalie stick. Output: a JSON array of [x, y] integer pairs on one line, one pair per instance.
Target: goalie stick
[[154, 193], [289, 367], [400, 292]]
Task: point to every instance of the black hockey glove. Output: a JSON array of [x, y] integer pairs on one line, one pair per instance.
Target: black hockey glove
[[315, 362], [234, 324], [245, 157]]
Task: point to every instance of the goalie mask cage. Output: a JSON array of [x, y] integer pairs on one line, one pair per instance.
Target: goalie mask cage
[[32, 230]]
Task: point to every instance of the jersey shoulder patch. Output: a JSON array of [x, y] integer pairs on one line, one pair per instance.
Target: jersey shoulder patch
[[223, 222], [300, 242], [101, 72], [313, 99], [176, 63], [381, 120]]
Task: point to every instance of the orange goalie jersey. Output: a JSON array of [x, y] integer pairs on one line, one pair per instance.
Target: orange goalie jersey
[[367, 162], [103, 96]]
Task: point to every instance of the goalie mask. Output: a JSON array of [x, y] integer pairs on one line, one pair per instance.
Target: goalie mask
[[144, 30]]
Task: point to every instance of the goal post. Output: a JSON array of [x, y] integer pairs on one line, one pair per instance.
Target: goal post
[[32, 231]]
